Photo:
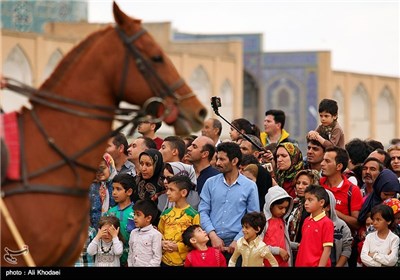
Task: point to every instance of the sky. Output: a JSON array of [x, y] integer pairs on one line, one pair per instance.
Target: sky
[[363, 36]]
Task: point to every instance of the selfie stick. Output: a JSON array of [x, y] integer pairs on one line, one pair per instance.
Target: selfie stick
[[215, 108]]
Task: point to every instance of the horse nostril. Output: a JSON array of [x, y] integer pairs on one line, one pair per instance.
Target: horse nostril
[[203, 114]]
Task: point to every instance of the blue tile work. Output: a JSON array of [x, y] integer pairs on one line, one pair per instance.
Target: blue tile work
[[252, 47], [253, 65], [297, 73], [30, 16], [291, 59], [312, 100], [293, 116], [252, 43], [296, 69]]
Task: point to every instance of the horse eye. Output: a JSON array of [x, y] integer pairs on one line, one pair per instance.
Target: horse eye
[[157, 59]]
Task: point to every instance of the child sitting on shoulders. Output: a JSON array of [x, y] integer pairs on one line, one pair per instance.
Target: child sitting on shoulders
[[329, 132]]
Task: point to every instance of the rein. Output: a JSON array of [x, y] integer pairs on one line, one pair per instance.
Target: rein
[[48, 99], [71, 161], [54, 101], [159, 88], [155, 82]]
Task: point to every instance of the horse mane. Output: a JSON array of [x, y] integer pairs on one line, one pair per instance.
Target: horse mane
[[71, 58]]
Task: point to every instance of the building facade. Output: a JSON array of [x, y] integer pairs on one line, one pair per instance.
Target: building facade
[[210, 68], [296, 81], [232, 66]]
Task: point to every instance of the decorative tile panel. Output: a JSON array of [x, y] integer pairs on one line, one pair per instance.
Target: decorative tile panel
[[30, 16]]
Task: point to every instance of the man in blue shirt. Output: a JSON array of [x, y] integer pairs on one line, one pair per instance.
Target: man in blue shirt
[[225, 199]]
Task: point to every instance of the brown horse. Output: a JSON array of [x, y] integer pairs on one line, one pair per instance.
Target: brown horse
[[62, 141]]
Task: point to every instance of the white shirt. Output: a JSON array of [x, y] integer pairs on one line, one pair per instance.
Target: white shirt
[[145, 247], [107, 253], [380, 248]]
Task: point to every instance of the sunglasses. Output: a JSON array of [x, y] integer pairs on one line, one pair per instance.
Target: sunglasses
[[165, 178]]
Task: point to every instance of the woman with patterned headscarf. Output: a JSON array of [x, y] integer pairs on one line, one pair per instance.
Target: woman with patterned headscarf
[[179, 169], [302, 180], [289, 161], [149, 181], [100, 192]]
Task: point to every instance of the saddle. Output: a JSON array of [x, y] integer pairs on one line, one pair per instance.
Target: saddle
[[10, 147]]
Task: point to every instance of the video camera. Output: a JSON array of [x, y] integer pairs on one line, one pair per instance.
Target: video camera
[[215, 104]]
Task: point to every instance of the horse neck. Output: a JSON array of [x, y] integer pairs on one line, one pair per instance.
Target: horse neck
[[80, 77], [81, 74]]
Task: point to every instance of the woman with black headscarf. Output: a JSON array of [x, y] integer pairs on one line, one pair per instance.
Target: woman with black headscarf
[[149, 180]]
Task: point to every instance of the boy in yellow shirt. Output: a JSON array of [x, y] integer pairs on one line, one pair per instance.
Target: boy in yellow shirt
[[174, 221]]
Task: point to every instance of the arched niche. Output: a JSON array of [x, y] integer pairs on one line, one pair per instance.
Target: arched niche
[[16, 66]]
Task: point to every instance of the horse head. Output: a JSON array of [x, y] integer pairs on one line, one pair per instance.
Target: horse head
[[63, 136], [158, 77]]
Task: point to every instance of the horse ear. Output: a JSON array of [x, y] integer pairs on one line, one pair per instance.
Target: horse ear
[[119, 16]]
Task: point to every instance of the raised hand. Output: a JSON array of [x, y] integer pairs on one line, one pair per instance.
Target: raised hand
[[113, 231], [266, 156]]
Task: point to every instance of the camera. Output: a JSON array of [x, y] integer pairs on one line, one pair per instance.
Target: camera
[[215, 103]]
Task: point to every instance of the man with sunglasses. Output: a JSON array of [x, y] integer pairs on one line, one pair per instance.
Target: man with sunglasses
[[148, 128]]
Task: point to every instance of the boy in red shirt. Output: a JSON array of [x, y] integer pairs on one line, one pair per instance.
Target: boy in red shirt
[[317, 231], [201, 255]]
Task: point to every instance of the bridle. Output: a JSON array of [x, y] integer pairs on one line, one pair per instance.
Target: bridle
[[159, 88], [155, 82]]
